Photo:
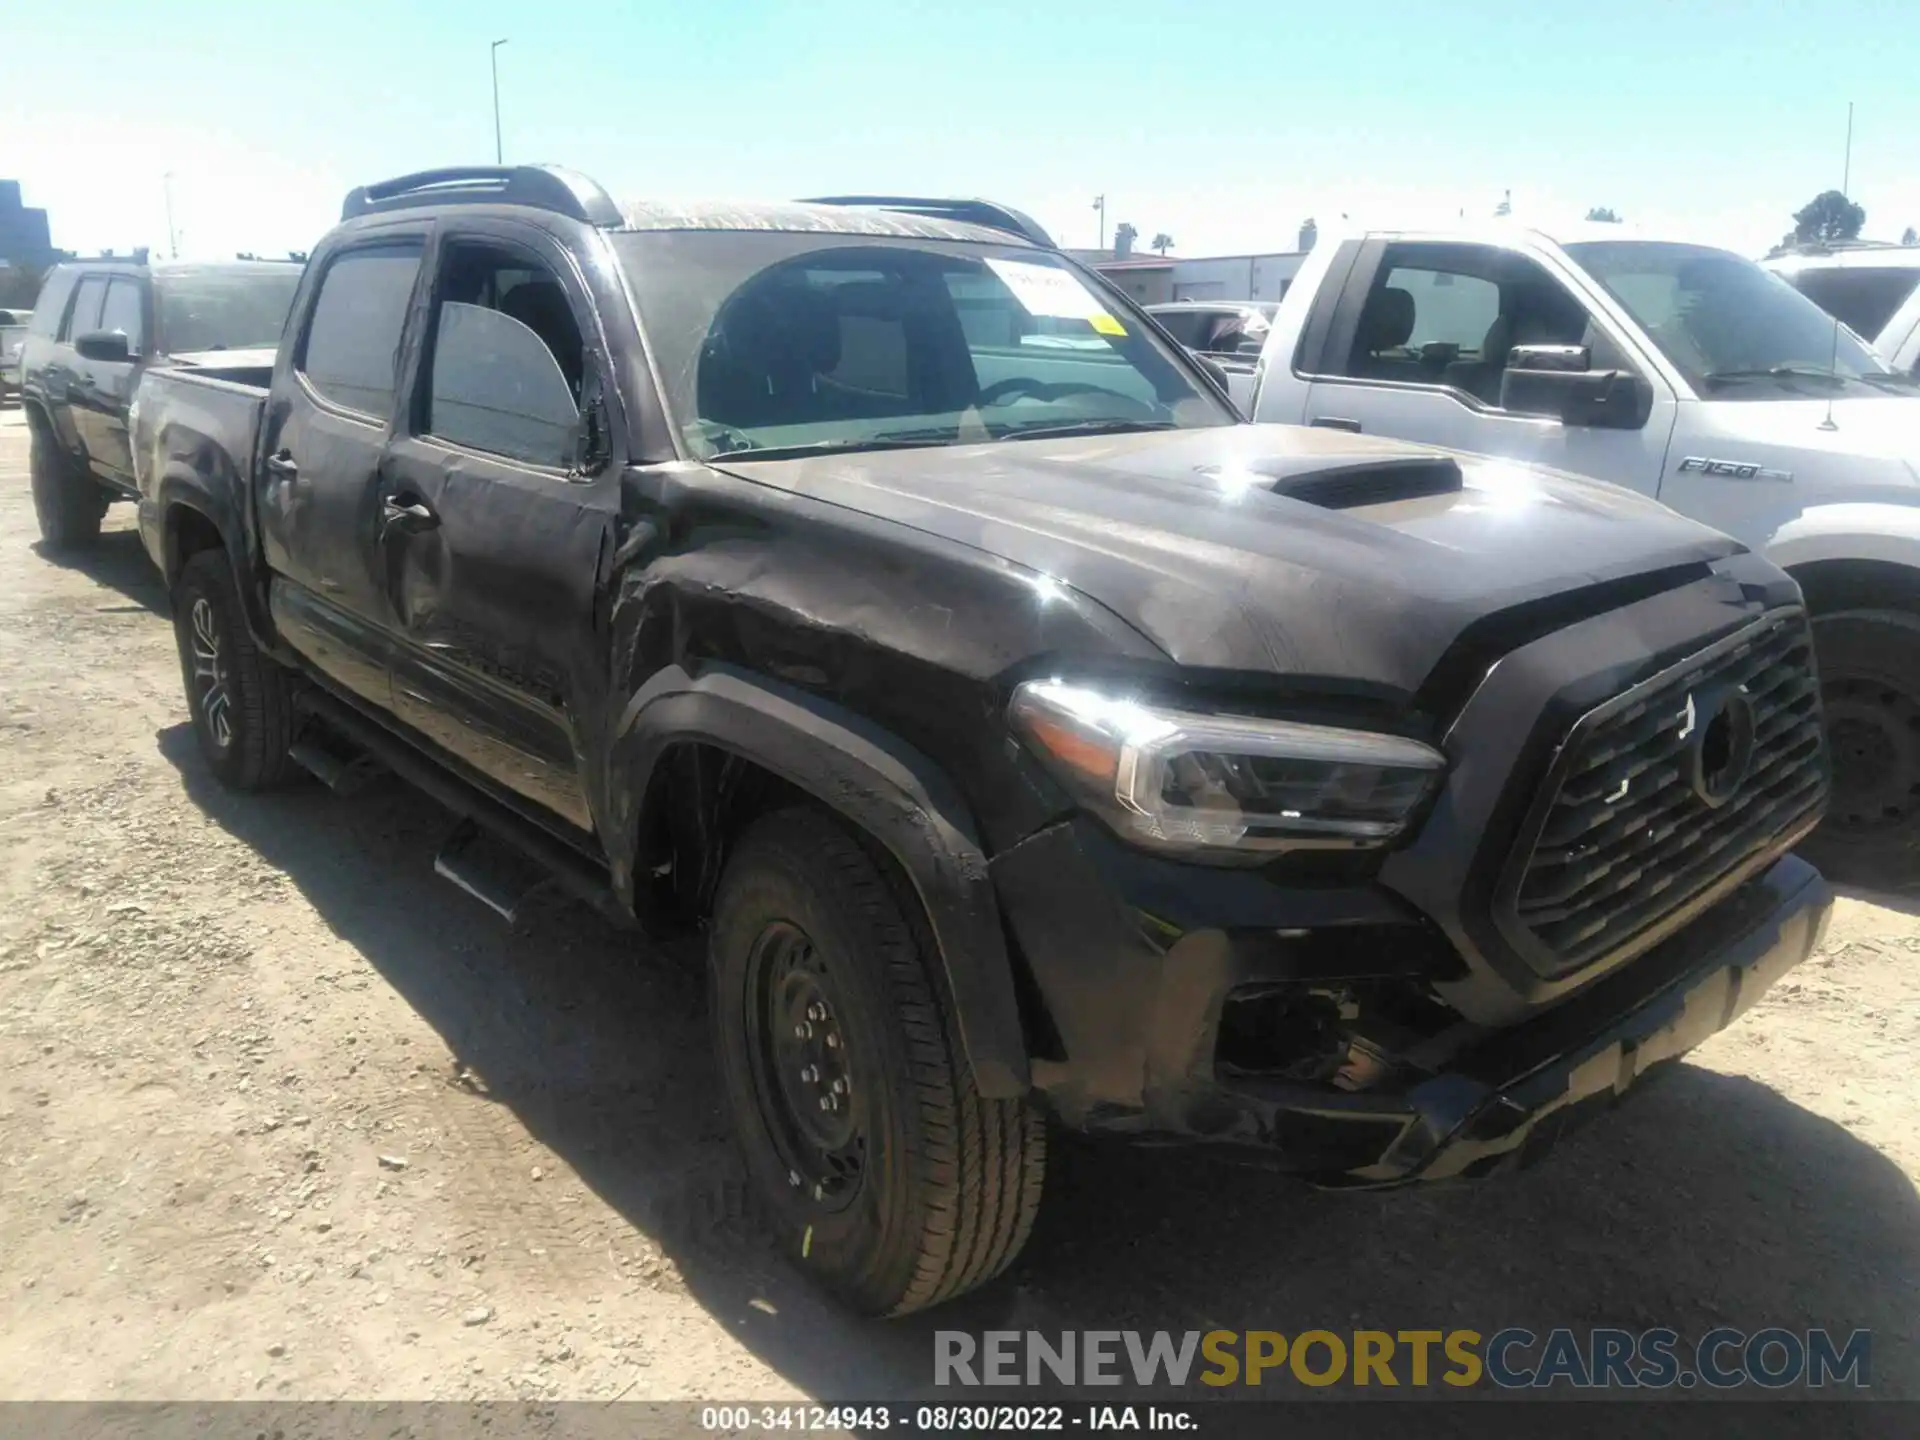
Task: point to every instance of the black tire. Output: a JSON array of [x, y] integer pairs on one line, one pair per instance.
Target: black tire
[[1869, 664], [936, 1189], [66, 502], [240, 700]]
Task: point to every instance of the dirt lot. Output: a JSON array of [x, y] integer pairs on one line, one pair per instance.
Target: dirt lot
[[282, 1115]]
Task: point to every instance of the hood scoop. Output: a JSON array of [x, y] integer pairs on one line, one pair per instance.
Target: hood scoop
[[1350, 485]]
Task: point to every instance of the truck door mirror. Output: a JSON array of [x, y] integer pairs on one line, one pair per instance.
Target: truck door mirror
[[108, 346], [1559, 381]]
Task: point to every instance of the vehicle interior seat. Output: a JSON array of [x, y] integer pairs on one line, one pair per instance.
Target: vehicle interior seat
[[1527, 317], [541, 305], [1386, 324], [763, 358]]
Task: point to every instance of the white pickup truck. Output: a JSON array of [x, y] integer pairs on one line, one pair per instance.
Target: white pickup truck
[[1677, 370]]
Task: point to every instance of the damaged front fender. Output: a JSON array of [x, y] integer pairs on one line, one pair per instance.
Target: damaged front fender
[[895, 794]]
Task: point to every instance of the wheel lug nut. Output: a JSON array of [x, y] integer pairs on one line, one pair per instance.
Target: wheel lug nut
[[819, 1192], [840, 1087], [809, 1074], [803, 1031], [793, 1178], [826, 1102], [833, 1041], [816, 1011]]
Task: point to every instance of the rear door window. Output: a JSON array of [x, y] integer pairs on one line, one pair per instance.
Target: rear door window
[[352, 347], [52, 304]]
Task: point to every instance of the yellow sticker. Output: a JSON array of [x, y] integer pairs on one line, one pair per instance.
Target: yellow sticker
[[1106, 324], [806, 1243]]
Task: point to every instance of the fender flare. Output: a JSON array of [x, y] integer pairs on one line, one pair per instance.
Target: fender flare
[[1889, 534], [894, 793], [182, 488]]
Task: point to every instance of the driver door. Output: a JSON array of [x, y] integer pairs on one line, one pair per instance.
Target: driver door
[[1418, 347]]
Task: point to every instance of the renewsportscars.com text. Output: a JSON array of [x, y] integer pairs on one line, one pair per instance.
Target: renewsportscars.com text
[[1511, 1358]]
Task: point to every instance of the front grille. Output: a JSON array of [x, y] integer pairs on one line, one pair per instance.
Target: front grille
[[1637, 825]]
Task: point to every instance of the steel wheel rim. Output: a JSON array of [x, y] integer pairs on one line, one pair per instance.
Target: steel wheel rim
[[1873, 732], [804, 1076], [213, 697]]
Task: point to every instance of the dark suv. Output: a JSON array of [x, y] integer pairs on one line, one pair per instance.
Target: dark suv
[[1030, 737], [97, 326]]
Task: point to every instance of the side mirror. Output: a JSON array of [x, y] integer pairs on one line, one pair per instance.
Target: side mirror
[[1558, 381], [109, 346]]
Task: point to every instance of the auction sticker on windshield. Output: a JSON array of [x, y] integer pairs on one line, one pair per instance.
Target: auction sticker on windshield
[[1056, 294]]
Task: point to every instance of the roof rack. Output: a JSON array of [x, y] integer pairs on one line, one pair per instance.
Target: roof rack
[[542, 187], [967, 212]]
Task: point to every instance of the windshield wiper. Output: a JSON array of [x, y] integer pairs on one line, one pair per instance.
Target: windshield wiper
[[1779, 372], [1111, 426], [898, 440]]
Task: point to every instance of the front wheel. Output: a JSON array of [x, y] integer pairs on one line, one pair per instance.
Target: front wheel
[[240, 700], [1870, 691], [887, 1177]]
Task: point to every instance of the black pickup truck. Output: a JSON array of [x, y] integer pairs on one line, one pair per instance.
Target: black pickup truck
[[97, 327], [865, 581]]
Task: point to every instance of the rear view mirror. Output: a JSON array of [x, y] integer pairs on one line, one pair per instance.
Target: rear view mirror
[[109, 346], [1556, 381]]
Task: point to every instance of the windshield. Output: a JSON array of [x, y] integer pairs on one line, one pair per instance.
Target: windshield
[[229, 308], [770, 340], [1734, 330]]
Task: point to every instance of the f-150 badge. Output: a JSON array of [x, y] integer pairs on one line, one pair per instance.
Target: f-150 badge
[[1731, 469]]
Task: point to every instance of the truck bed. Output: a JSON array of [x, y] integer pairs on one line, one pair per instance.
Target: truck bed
[[193, 428]]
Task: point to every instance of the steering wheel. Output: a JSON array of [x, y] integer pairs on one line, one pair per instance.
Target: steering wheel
[[1004, 390]]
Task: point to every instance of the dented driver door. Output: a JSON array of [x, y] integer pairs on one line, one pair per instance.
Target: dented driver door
[[490, 540]]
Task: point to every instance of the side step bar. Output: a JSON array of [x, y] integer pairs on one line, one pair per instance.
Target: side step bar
[[571, 870], [500, 879], [342, 774]]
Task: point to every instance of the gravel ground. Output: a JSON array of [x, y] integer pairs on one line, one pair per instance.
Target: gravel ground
[[281, 1115]]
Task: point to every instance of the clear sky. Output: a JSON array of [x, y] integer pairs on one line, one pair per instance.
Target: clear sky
[[1225, 124]]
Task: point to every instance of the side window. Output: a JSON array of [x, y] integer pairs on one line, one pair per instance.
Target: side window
[[1183, 325], [353, 340], [85, 314], [122, 311], [1450, 316], [507, 360], [51, 307]]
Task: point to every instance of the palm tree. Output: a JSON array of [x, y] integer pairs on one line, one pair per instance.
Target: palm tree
[[1162, 242]]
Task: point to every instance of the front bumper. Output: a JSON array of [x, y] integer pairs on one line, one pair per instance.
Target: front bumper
[[1138, 1021]]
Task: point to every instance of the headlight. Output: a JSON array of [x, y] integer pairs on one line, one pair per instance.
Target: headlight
[[1232, 788]]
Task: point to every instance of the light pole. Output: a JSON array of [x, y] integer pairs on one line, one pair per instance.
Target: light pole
[[493, 54], [173, 236], [1100, 204]]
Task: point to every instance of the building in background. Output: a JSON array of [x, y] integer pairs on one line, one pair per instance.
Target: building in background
[[26, 248], [24, 238], [1156, 279]]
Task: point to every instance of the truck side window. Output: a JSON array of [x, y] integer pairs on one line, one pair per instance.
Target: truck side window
[[50, 308], [85, 315], [507, 360], [122, 312], [353, 341], [1449, 315]]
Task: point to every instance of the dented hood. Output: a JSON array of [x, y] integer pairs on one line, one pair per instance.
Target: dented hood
[[1268, 547]]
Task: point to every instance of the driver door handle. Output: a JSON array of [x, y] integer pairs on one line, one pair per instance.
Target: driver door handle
[[408, 510], [1334, 422], [281, 463]]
